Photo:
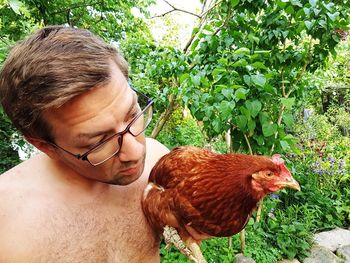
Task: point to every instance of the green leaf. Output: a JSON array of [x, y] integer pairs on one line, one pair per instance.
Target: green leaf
[[254, 107], [245, 112], [251, 125], [323, 23], [184, 77], [262, 52], [259, 139], [208, 28], [288, 120], [240, 63], [290, 138], [242, 51], [309, 24], [241, 121], [225, 108], [237, 86], [313, 2], [241, 94], [288, 103], [218, 71], [306, 11], [253, 38], [289, 10], [217, 125], [269, 129], [328, 6], [296, 3], [333, 16], [281, 4], [223, 61], [285, 145], [195, 30], [196, 80], [259, 65], [227, 93], [248, 80], [270, 89], [15, 6], [234, 3], [259, 80], [263, 117], [316, 11]]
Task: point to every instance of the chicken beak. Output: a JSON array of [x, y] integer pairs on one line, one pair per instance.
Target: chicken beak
[[292, 183]]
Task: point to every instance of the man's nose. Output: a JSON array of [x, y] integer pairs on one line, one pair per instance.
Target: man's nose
[[131, 149]]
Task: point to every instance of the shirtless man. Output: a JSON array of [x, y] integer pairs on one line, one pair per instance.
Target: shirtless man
[[79, 200]]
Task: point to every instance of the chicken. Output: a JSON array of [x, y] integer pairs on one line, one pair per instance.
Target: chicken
[[194, 194]]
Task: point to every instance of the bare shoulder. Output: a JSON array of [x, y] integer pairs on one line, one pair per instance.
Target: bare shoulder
[[22, 174], [19, 185], [155, 149], [16, 189]]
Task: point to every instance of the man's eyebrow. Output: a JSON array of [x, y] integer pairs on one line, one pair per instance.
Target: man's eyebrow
[[87, 136]]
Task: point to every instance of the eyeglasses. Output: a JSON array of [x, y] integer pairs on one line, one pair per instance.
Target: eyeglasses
[[105, 150]]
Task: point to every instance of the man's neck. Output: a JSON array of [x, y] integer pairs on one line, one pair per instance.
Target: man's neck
[[72, 184]]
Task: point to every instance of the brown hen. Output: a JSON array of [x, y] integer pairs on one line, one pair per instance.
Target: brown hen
[[194, 194]]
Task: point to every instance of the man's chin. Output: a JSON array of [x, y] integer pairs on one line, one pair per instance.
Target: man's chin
[[124, 180]]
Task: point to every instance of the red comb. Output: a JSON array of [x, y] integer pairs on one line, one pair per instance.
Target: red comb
[[276, 158]]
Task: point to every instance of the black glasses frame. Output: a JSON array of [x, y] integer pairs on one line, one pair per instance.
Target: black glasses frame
[[84, 156]]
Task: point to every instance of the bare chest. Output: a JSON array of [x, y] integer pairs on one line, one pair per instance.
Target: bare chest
[[90, 233]]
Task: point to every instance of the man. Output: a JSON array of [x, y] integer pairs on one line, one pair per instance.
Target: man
[[78, 201]]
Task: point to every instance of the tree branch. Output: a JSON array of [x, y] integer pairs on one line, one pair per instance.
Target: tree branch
[[201, 23], [74, 7], [301, 72], [176, 9], [283, 87], [211, 8], [248, 143]]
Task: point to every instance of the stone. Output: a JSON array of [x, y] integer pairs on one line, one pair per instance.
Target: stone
[[319, 254], [344, 253], [333, 239], [289, 261], [240, 258]]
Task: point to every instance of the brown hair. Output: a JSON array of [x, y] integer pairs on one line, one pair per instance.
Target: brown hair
[[48, 69]]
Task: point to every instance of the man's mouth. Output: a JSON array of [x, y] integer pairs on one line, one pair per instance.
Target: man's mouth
[[131, 169]]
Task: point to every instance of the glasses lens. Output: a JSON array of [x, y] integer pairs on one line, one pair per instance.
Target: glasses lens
[[112, 146], [141, 123], [104, 151]]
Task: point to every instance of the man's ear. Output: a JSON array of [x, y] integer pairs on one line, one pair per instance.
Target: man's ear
[[43, 146]]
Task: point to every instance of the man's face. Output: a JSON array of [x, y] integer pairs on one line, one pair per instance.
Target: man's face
[[91, 118]]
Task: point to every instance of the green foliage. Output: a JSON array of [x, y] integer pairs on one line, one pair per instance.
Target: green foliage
[[8, 155], [249, 81], [181, 131], [330, 85], [112, 20]]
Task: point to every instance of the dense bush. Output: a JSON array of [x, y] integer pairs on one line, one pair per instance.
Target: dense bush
[[8, 155], [181, 130]]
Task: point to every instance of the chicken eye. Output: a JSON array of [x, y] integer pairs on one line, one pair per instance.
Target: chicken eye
[[269, 174]]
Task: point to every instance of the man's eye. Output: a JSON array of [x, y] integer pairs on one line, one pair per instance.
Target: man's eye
[[133, 115], [90, 146]]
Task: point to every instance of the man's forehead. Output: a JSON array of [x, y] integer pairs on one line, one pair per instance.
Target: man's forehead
[[95, 112]]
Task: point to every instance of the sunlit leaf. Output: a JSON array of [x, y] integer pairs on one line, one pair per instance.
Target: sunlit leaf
[[15, 6]]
